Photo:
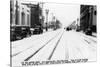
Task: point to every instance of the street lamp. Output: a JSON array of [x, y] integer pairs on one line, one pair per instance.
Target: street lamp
[[47, 12]]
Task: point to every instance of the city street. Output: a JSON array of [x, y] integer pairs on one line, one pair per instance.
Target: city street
[[52, 33], [54, 45]]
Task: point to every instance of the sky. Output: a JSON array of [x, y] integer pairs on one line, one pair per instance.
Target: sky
[[66, 13]]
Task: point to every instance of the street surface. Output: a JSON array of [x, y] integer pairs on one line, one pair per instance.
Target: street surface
[[54, 45]]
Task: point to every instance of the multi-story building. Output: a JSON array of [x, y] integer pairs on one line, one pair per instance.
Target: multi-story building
[[20, 14], [26, 19], [88, 18], [19, 19], [36, 17]]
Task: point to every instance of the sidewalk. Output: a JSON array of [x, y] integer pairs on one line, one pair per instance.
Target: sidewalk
[[93, 37]]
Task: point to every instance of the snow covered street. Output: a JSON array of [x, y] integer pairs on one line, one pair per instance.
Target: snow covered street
[[54, 45]]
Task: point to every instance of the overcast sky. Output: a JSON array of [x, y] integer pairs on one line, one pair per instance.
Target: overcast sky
[[66, 13]]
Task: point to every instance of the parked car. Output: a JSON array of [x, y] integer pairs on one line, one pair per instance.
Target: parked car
[[38, 30], [68, 28], [88, 31]]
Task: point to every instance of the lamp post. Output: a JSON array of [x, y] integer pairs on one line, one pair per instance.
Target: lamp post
[[47, 11]]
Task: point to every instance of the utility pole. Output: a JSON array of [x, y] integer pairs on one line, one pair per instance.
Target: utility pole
[[47, 11]]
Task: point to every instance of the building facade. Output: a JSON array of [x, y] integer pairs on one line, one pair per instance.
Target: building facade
[[88, 15], [19, 14], [36, 14], [19, 20]]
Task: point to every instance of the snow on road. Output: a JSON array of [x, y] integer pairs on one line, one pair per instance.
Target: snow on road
[[23, 51], [54, 45], [47, 51]]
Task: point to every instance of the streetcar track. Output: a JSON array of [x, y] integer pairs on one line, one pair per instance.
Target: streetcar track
[[87, 41], [34, 53], [89, 45], [32, 40], [16, 54], [30, 47], [90, 39], [55, 48], [40, 48]]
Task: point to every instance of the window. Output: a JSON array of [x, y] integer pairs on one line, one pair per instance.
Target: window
[[17, 17], [28, 19], [23, 18]]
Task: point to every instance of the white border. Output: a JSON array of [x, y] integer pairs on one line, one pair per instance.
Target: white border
[[5, 33]]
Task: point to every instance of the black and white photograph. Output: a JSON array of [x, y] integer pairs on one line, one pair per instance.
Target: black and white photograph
[[44, 33]]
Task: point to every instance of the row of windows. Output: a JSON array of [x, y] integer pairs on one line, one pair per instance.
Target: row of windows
[[17, 17], [23, 17]]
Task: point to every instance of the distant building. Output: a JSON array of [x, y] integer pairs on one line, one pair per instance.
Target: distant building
[[73, 25]]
